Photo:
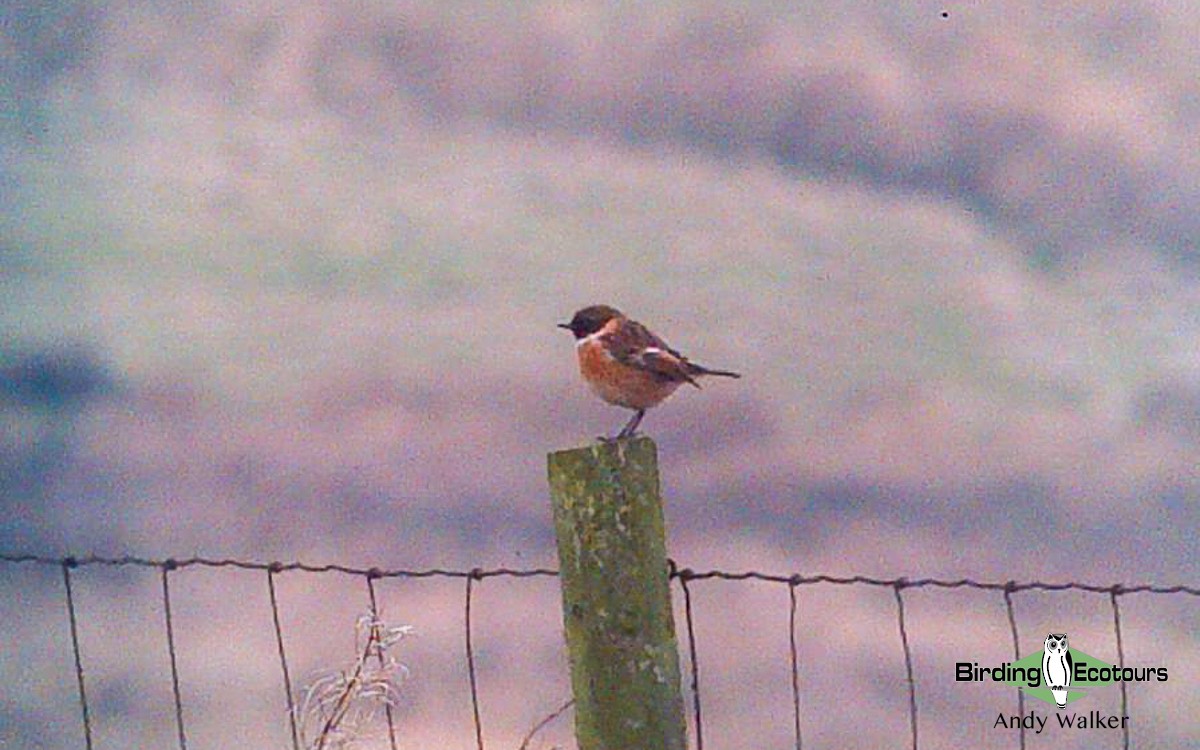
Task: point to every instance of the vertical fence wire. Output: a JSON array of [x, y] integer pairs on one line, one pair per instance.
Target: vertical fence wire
[[795, 660], [1113, 594], [1012, 625], [475, 573], [283, 662], [908, 661], [167, 567], [71, 618], [372, 574], [693, 659]]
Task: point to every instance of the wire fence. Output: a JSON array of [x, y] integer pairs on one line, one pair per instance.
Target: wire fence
[[685, 577]]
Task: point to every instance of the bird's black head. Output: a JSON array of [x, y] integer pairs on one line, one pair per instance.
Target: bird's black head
[[590, 319]]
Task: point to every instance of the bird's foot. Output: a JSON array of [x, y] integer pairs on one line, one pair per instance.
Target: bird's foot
[[622, 435]]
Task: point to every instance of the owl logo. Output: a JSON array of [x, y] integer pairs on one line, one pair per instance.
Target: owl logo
[[1057, 667]]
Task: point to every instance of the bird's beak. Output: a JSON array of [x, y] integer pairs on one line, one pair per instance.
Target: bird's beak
[[564, 325]]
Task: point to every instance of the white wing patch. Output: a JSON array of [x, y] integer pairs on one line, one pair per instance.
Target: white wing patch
[[651, 354]]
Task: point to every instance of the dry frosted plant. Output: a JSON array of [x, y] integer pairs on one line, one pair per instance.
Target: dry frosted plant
[[341, 707]]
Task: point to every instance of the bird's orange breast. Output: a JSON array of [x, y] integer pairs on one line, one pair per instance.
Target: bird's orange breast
[[618, 383]]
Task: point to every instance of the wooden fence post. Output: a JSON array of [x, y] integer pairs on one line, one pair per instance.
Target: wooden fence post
[[617, 614]]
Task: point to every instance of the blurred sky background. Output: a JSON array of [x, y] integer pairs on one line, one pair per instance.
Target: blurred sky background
[[279, 280]]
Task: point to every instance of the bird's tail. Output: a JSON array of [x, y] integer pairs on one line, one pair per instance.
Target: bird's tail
[[702, 370]]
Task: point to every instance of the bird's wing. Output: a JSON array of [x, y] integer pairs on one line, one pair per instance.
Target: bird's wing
[[633, 344]]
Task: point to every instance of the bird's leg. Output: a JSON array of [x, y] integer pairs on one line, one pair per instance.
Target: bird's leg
[[631, 428]]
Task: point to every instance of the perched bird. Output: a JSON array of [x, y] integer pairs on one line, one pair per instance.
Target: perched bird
[[627, 365]]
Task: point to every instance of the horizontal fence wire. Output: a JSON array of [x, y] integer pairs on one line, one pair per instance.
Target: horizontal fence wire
[[683, 573], [684, 576], [173, 563]]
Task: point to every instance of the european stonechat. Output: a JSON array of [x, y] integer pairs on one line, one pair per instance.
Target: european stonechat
[[627, 365]]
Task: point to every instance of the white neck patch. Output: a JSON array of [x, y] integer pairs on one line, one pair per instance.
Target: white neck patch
[[589, 338]]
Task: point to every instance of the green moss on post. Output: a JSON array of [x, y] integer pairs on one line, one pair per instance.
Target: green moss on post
[[616, 597]]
